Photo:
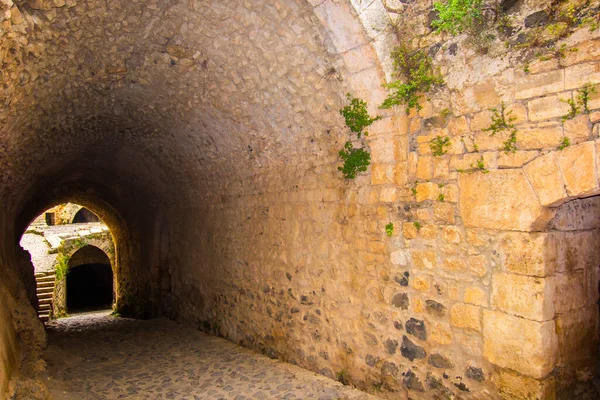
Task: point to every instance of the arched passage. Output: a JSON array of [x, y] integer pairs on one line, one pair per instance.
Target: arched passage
[[89, 280], [84, 215]]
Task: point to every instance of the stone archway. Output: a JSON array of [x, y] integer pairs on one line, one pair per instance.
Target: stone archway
[[543, 318], [89, 282]]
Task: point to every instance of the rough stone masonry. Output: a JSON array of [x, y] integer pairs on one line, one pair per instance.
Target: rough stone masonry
[[206, 135]]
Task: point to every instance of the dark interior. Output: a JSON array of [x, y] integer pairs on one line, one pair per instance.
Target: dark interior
[[89, 287]]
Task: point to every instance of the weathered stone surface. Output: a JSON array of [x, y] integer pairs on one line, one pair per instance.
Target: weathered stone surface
[[410, 350], [439, 361], [529, 254], [578, 167], [515, 386], [466, 316], [412, 382], [546, 108], [545, 177], [475, 373], [401, 301], [524, 296], [435, 309], [525, 346], [501, 199], [416, 328], [540, 84]]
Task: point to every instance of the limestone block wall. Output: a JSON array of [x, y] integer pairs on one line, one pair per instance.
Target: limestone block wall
[[468, 296]]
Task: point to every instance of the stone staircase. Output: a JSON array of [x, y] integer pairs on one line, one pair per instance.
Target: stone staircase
[[45, 290]]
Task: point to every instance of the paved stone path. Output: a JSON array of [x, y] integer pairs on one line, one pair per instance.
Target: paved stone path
[[95, 356]]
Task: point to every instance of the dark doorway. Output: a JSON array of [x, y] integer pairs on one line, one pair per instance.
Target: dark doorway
[[89, 287], [85, 215], [50, 219]]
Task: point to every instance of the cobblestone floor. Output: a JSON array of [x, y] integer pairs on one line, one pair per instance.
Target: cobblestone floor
[[95, 356]]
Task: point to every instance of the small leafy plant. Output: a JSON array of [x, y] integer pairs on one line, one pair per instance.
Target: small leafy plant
[[572, 112], [355, 160], [441, 197], [415, 75], [504, 121], [389, 229], [480, 166], [417, 225], [457, 16], [583, 96], [564, 143], [357, 116], [439, 145], [357, 119]]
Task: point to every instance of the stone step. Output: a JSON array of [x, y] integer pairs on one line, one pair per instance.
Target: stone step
[[49, 278], [45, 284], [44, 307], [45, 296], [44, 293]]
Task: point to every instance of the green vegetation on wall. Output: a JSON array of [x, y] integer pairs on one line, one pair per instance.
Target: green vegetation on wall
[[457, 16], [357, 118], [415, 76]]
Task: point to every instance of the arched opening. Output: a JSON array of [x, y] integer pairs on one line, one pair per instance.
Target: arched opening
[[72, 264], [89, 280], [574, 243], [84, 215]]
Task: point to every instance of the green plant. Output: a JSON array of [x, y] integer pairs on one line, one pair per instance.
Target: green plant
[[357, 116], [504, 121], [526, 68], [61, 268], [583, 96], [510, 144], [564, 143], [441, 197], [439, 145], [480, 166], [501, 120], [445, 113], [413, 189], [572, 112], [389, 229], [417, 225], [357, 119], [415, 75], [355, 160], [457, 16]]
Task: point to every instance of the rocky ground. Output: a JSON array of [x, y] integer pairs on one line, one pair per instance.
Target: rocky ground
[[96, 356]]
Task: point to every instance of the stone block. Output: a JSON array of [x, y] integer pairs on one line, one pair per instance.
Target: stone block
[[577, 339], [545, 136], [466, 316], [532, 254], [382, 151], [451, 234], [382, 174], [476, 296], [548, 107], [571, 291], [579, 75], [458, 126], [427, 191], [578, 166], [525, 346], [512, 386], [534, 85], [478, 265], [578, 129], [440, 333], [516, 159], [344, 30], [524, 296], [424, 259], [424, 168], [501, 199], [545, 177]]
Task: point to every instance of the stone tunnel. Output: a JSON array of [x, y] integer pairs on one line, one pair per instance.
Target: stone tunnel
[[206, 135]]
